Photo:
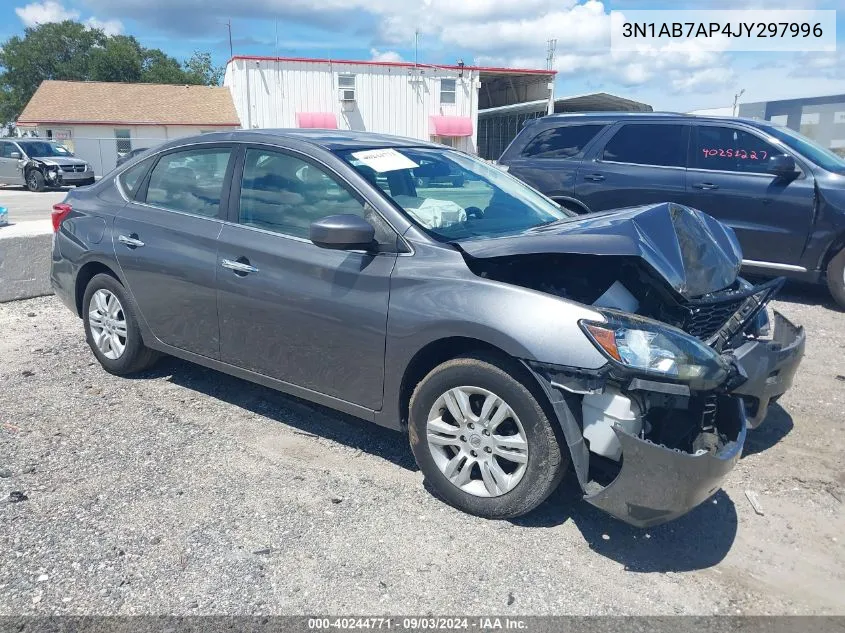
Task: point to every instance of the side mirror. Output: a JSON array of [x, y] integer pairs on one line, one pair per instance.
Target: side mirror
[[15, 155], [781, 165], [343, 232]]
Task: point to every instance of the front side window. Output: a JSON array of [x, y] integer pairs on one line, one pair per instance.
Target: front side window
[[285, 194], [190, 181], [658, 144], [561, 142], [447, 90], [730, 149], [822, 157], [453, 195], [7, 149]]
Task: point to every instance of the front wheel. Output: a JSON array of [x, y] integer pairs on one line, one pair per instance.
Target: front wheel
[[482, 440], [35, 181], [836, 278], [111, 328]]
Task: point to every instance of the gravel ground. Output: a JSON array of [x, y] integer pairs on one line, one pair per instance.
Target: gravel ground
[[186, 491]]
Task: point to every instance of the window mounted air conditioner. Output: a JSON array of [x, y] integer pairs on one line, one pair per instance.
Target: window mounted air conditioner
[[347, 94]]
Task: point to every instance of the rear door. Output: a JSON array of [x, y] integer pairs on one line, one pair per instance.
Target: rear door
[[728, 179], [548, 158], [305, 315], [637, 163], [165, 240], [10, 171]]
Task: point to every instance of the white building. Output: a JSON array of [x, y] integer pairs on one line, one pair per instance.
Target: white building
[[101, 121], [414, 100]]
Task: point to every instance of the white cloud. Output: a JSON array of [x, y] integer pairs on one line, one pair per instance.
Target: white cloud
[[45, 12], [51, 11], [110, 27], [384, 56]]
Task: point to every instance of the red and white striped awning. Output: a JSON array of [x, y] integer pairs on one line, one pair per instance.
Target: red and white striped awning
[[318, 120]]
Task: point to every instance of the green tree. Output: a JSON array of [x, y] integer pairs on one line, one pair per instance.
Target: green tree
[[58, 50], [71, 51], [120, 59], [201, 71], [158, 68]]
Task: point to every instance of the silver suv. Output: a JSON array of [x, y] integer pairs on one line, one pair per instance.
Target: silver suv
[[38, 164]]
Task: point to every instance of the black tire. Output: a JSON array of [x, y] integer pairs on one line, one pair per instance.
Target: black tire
[[35, 181], [136, 356], [547, 462], [836, 278]]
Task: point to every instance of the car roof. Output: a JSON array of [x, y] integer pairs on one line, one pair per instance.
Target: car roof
[[604, 116], [327, 139]]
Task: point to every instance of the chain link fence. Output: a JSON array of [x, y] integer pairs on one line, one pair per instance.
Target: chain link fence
[[104, 153]]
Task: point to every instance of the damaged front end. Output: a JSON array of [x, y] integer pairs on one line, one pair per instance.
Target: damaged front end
[[692, 358], [51, 172]]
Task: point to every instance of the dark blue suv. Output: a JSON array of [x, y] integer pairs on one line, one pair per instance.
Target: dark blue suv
[[783, 195]]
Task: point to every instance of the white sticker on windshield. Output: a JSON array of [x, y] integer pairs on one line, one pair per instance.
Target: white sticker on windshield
[[386, 159]]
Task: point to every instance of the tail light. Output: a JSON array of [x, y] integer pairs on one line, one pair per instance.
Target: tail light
[[60, 212]]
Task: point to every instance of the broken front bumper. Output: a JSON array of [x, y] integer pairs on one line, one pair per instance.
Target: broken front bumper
[[769, 367], [657, 484]]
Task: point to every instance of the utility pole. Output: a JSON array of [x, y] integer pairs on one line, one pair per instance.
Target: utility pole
[[736, 99], [550, 54], [231, 48], [416, 44]]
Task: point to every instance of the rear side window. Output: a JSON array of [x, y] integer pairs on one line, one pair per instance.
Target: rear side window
[[729, 149], [561, 142], [131, 179], [648, 144], [190, 181]]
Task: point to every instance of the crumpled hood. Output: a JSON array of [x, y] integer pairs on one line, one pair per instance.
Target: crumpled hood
[[692, 251], [59, 161]]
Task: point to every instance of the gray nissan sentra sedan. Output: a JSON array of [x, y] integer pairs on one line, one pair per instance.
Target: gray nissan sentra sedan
[[425, 290]]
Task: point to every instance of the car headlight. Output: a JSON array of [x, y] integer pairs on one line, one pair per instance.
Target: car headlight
[[647, 346]]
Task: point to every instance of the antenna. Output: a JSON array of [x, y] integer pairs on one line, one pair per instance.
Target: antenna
[[231, 49], [550, 54], [276, 42], [416, 44]]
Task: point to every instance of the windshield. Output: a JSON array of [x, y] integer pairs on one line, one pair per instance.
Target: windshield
[[43, 149], [453, 195], [822, 157]]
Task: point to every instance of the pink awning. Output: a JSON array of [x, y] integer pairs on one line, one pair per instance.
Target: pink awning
[[451, 126], [320, 120]]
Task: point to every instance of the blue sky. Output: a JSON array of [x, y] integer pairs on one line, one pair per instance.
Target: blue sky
[[487, 32]]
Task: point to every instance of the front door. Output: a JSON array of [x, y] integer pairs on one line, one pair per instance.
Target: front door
[[165, 240], [641, 163], [728, 179], [308, 316], [10, 168]]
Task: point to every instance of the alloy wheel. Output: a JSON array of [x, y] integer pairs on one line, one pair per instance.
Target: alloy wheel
[[108, 324], [477, 441]]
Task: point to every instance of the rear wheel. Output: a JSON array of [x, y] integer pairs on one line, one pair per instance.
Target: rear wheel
[[35, 181], [111, 328], [482, 440], [836, 278]]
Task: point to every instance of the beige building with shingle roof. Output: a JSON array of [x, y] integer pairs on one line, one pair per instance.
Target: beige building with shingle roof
[[100, 121]]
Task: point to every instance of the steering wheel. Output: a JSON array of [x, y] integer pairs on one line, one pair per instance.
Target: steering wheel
[[474, 212]]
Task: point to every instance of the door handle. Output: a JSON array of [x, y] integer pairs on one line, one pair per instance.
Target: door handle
[[705, 185], [239, 267], [131, 241], [594, 177]]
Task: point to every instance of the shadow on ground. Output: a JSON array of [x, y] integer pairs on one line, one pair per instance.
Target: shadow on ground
[[698, 540], [305, 417], [777, 425]]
